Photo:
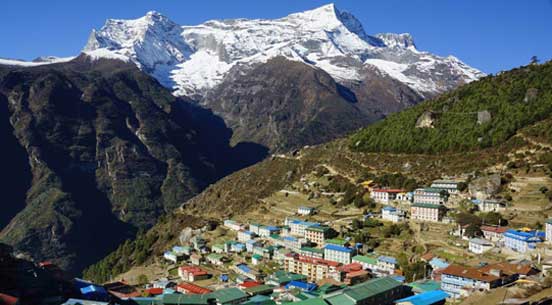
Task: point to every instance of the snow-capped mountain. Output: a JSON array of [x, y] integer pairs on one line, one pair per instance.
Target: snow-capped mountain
[[39, 61], [194, 59]]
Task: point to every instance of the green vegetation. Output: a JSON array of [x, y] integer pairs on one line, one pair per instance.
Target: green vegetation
[[130, 253], [478, 115]]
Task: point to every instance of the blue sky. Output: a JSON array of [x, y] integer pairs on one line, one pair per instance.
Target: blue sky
[[491, 35]]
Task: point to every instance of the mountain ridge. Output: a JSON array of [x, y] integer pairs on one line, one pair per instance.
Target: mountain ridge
[[197, 58]]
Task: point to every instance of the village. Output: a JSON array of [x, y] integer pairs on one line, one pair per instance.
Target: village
[[311, 256]]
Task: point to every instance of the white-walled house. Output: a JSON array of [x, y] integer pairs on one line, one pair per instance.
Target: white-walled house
[[479, 245], [385, 195]]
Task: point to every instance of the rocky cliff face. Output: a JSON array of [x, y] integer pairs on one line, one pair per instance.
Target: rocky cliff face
[[108, 150]]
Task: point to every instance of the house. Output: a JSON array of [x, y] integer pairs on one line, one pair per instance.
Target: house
[[244, 236], [163, 283], [450, 186], [459, 281], [243, 269], [237, 247], [494, 234], [198, 242], [281, 277], [311, 252], [192, 273], [353, 273], [256, 259], [367, 262], [430, 195], [305, 211], [293, 243], [380, 291], [548, 230], [318, 234], [255, 227], [427, 212], [215, 259], [266, 231], [522, 241], [195, 259], [189, 288], [386, 265], [218, 248], [266, 252], [385, 195], [437, 263], [172, 257], [405, 196], [228, 296], [233, 225], [479, 245], [259, 290], [121, 289], [489, 205], [298, 227], [304, 286], [338, 253], [436, 297], [392, 214], [337, 242], [314, 268], [422, 286]]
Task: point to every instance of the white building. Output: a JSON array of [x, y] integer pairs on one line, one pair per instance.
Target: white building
[[392, 214], [305, 211], [427, 212], [254, 227], [233, 225], [244, 236], [266, 231], [448, 185], [490, 205], [494, 234], [548, 230], [338, 254], [297, 227], [479, 246], [386, 265], [429, 195], [385, 195]]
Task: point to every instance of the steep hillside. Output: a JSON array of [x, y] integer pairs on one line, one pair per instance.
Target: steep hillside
[[102, 150], [481, 114], [286, 104], [261, 191]]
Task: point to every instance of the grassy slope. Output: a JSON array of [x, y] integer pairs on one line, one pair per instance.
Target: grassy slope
[[514, 99]]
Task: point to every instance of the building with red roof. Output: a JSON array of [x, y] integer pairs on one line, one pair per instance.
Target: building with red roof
[[189, 288], [192, 273]]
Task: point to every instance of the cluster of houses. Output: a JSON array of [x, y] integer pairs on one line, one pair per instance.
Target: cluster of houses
[[426, 204]]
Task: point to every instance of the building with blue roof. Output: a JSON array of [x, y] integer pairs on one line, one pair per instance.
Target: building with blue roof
[[266, 231], [437, 263], [338, 253], [301, 285], [94, 292], [522, 241], [386, 265], [297, 227], [436, 297]]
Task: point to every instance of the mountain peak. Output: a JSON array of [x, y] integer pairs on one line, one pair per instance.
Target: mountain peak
[[393, 40]]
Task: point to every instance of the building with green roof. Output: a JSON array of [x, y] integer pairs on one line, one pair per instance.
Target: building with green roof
[[337, 242], [425, 286], [229, 296], [315, 301], [186, 299], [281, 277], [380, 291], [260, 289]]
